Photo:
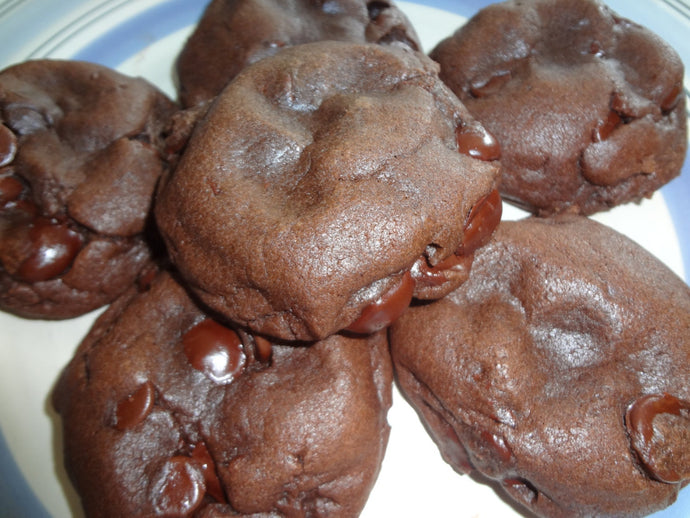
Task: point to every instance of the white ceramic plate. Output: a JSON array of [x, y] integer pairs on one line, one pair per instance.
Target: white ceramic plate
[[142, 37]]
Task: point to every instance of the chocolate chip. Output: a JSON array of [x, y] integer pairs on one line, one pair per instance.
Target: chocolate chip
[[133, 409], [659, 431], [606, 127], [477, 143], [8, 145], [386, 309], [214, 350], [202, 457], [178, 487], [263, 348], [424, 273], [54, 247], [10, 189], [481, 222]]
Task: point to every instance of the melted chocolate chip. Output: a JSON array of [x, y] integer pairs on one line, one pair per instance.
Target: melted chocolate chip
[[493, 85], [477, 143], [481, 222], [178, 488], [384, 311], [498, 444], [22, 210], [24, 120], [204, 461], [133, 409], [10, 189], [263, 349], [423, 273], [606, 127], [659, 430], [54, 247], [8, 145], [450, 446], [596, 49], [672, 98], [214, 350]]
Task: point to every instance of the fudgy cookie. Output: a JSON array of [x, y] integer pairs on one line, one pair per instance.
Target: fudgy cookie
[[167, 412], [325, 187], [588, 107], [559, 370], [79, 160], [232, 34]]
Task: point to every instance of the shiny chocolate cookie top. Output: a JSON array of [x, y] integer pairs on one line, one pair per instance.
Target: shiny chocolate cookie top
[[233, 34], [167, 411], [326, 179], [80, 154], [588, 107], [559, 370]]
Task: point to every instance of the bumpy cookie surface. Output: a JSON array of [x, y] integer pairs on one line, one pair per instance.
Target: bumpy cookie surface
[[559, 369], [588, 107], [324, 179], [235, 33], [166, 412], [79, 160]]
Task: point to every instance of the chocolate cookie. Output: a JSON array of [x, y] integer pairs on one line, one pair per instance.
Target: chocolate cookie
[[559, 370], [235, 33], [588, 107], [167, 412], [79, 160], [325, 187]]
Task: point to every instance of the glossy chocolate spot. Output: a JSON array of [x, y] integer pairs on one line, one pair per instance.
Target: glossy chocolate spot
[[53, 249], [8, 145], [477, 143], [10, 189], [214, 350], [659, 431], [204, 461], [134, 408], [481, 222], [604, 129], [178, 488], [384, 311]]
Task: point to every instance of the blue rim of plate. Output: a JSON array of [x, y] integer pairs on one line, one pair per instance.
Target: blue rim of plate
[[117, 44]]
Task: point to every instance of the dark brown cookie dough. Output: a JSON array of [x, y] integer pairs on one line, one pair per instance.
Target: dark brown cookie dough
[[588, 107], [166, 412], [559, 370], [80, 154], [326, 186], [232, 34]]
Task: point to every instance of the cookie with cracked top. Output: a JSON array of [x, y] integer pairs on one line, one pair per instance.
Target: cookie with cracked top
[[169, 412], [80, 155], [559, 370], [327, 186], [232, 34], [588, 107]]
